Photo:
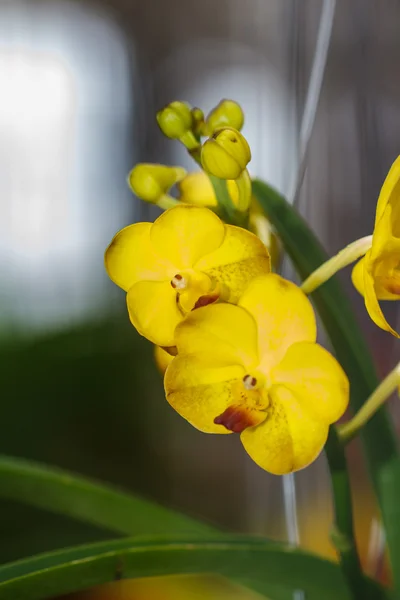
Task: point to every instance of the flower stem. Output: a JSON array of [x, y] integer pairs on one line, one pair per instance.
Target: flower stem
[[342, 534], [348, 430], [166, 201], [342, 259]]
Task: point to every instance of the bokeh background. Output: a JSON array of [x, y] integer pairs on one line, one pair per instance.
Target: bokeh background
[[80, 83]]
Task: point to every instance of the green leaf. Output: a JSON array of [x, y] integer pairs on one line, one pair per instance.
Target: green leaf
[[109, 508], [390, 490], [336, 313], [254, 560]]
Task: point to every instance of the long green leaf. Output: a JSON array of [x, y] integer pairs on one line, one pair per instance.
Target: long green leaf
[[390, 486], [336, 313], [109, 508], [261, 563], [106, 507]]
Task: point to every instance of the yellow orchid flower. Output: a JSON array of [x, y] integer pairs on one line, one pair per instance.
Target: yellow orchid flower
[[196, 188], [256, 369], [377, 275], [187, 258]]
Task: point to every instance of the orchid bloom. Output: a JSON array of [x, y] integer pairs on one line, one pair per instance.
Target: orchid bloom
[[256, 369], [377, 275], [186, 259]]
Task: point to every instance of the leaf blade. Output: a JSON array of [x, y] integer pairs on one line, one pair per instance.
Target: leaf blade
[[237, 558]]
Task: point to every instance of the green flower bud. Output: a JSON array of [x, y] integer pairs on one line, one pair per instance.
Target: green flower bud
[[226, 114], [198, 122], [151, 182], [226, 154], [175, 119]]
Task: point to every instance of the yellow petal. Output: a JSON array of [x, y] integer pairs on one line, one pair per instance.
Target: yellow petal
[[315, 379], [200, 392], [162, 359], [357, 275], [153, 310], [372, 303], [288, 440], [185, 233], [222, 334], [390, 193], [196, 188], [239, 259], [283, 314], [381, 277], [131, 257]]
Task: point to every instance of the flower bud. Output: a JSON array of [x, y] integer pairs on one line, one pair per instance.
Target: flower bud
[[226, 114], [196, 188], [198, 122], [175, 119], [226, 154], [150, 182]]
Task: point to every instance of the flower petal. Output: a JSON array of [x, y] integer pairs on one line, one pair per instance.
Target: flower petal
[[153, 310], [131, 257], [390, 193], [222, 334], [316, 379], [162, 359], [200, 393], [357, 276], [381, 280], [372, 303], [241, 257], [185, 233], [288, 440], [283, 314]]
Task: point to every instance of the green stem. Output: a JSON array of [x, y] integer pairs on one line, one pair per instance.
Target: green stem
[[385, 389], [166, 201], [342, 259], [342, 535]]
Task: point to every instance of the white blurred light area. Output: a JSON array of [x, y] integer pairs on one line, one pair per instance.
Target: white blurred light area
[[36, 121], [64, 111]]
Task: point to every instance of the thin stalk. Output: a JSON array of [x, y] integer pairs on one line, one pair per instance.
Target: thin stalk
[[342, 259], [342, 535], [384, 390]]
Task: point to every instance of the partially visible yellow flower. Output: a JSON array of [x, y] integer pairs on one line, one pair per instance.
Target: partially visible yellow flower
[[196, 188], [377, 275], [162, 358], [226, 114], [255, 369], [187, 258], [151, 182], [226, 154]]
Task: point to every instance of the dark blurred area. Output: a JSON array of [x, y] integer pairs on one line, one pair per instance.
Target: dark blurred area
[[80, 84]]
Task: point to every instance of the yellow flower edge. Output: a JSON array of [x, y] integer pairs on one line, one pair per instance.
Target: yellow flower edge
[[162, 359], [256, 369], [377, 275], [187, 258]]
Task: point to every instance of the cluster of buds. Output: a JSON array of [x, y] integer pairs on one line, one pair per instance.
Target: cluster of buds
[[224, 155]]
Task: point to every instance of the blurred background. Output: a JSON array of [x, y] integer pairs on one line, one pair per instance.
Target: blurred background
[[80, 83]]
